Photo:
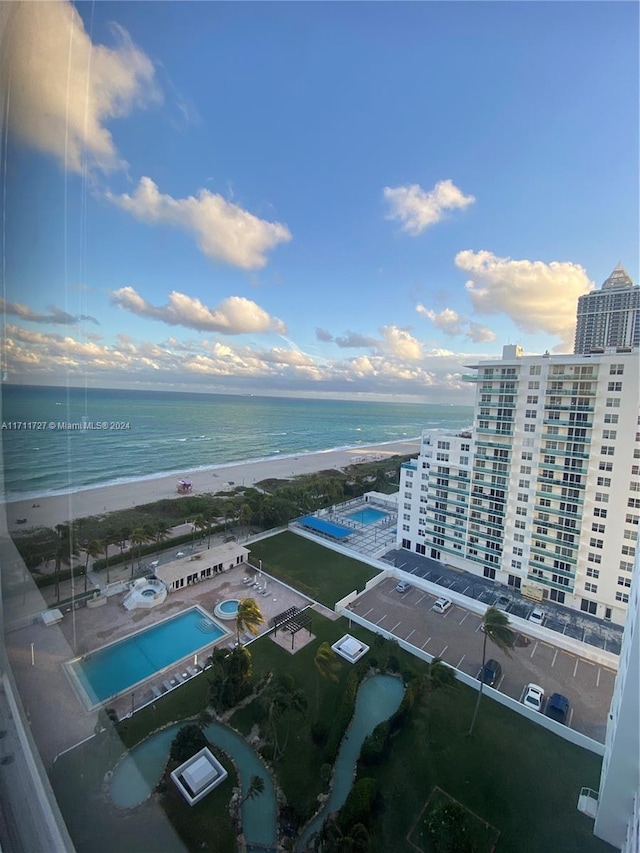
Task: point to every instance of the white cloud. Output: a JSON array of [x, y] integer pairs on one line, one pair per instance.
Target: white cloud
[[538, 297], [64, 90], [451, 323], [448, 320], [233, 316], [480, 334], [222, 230], [48, 357], [400, 344], [417, 209]]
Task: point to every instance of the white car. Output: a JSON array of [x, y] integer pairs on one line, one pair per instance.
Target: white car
[[441, 605], [180, 554], [403, 586], [537, 615], [533, 697]]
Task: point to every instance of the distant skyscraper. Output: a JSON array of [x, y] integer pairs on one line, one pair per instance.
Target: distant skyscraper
[[609, 317]]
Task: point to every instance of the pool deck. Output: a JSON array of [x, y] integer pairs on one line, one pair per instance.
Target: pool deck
[[57, 716]]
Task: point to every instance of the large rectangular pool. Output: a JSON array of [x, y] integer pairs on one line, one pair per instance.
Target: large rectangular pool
[[118, 667]]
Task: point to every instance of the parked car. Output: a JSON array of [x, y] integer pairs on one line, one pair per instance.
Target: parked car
[[180, 554], [403, 586], [537, 615], [558, 707], [502, 602], [533, 697], [441, 605], [491, 672]]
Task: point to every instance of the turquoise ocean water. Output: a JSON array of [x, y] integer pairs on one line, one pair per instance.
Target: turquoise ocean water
[[159, 433]]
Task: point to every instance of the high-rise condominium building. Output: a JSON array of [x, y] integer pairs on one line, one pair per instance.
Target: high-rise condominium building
[[609, 317], [543, 494]]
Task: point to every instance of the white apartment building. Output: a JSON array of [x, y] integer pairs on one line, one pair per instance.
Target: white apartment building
[[618, 810], [544, 494]]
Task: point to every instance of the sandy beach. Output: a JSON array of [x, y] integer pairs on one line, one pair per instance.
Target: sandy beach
[[61, 508]]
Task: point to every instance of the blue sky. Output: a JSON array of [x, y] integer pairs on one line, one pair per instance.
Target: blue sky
[[318, 199]]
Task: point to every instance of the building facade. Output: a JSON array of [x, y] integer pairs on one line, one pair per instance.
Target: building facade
[[618, 811], [544, 493], [609, 317]]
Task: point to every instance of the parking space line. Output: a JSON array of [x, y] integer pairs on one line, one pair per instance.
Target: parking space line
[[396, 625], [409, 634], [575, 669], [425, 643], [570, 718], [553, 662], [460, 661], [424, 595], [533, 650], [381, 618], [479, 626], [464, 591], [443, 651], [598, 678], [466, 613], [368, 612]]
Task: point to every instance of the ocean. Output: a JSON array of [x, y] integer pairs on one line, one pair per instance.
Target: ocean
[[133, 435]]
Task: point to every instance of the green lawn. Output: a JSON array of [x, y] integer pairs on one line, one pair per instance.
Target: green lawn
[[318, 572]]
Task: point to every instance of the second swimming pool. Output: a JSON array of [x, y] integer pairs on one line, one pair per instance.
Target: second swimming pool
[[119, 666], [367, 515]]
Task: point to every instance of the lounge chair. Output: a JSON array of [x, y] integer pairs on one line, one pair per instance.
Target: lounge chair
[[156, 691]]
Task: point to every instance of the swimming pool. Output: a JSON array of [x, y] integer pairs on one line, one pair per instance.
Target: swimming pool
[[118, 667], [367, 515]]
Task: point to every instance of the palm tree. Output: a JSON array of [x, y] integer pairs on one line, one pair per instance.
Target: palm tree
[[249, 617], [108, 539], [256, 787], [495, 625], [327, 666], [204, 718], [66, 550], [245, 515], [286, 702], [138, 537], [91, 551], [332, 839], [123, 537], [438, 675]]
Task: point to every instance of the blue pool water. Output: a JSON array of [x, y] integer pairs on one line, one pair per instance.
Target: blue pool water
[[367, 515], [230, 606], [119, 666]]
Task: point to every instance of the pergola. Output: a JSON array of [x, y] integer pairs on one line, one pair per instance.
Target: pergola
[[292, 620]]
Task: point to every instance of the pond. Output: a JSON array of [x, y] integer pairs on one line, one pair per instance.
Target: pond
[[378, 699], [136, 776]]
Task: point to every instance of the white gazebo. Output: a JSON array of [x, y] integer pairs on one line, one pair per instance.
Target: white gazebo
[[199, 775], [350, 648]]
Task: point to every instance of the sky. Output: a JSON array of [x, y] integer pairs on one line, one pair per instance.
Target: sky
[[311, 199]]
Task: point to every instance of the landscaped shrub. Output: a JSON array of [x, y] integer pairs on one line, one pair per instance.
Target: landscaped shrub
[[360, 803], [189, 740], [376, 744], [398, 719], [342, 718], [448, 829], [394, 664], [319, 732]]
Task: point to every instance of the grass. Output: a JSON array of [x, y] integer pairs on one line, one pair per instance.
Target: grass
[[318, 572], [514, 775]]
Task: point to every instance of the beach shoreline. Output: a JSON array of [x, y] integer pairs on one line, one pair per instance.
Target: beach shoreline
[[50, 510]]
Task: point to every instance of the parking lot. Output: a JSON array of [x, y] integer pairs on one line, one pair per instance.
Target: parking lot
[[455, 637], [563, 620]]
